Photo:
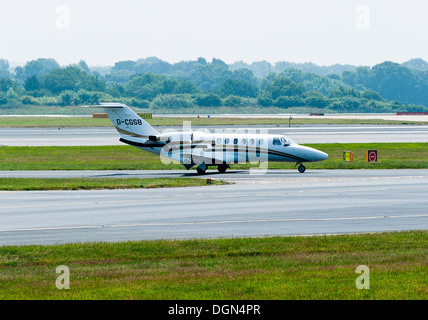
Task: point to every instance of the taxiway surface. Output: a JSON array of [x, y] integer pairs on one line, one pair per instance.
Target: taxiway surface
[[277, 203]]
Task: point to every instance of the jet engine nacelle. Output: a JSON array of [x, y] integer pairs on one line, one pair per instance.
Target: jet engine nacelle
[[176, 137]]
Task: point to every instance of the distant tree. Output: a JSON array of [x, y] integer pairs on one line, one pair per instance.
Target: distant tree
[[29, 100], [3, 99], [71, 78], [173, 101], [333, 76], [4, 69], [185, 86], [147, 86], [372, 95], [32, 83], [144, 104], [232, 101], [208, 100], [416, 64], [124, 65], [283, 86], [36, 68], [4, 65], [261, 68], [344, 92], [219, 62], [84, 66], [19, 72], [345, 104], [245, 75], [201, 60], [156, 67], [392, 81], [264, 101], [289, 101], [317, 102], [209, 77], [115, 89], [238, 88], [88, 97], [6, 84], [183, 69], [68, 98]]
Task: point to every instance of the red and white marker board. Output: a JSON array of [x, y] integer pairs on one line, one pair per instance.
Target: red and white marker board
[[371, 156]]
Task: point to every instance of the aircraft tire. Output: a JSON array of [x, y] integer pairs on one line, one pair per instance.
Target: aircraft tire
[[301, 168], [222, 168], [201, 171]]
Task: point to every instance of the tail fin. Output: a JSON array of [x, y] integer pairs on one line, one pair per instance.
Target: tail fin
[[126, 121]]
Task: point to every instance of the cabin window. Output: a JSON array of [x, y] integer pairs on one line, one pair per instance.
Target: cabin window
[[276, 142], [251, 141], [284, 141], [244, 142], [218, 140], [235, 141], [260, 142], [226, 141]]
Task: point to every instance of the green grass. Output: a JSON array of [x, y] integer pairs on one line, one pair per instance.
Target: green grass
[[213, 121], [27, 122], [390, 156], [27, 184], [48, 122], [319, 267]]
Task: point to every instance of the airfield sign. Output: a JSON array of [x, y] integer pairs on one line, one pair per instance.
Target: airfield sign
[[371, 156]]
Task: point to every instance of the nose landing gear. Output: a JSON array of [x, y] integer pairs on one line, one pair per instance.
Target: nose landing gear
[[301, 168], [201, 169]]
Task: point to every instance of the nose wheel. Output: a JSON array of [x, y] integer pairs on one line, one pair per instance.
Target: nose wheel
[[301, 168], [201, 169]]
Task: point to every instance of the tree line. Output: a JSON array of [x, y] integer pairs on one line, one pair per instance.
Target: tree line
[[158, 85]]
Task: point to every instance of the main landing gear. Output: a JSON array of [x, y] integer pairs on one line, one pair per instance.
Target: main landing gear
[[222, 168], [201, 169], [301, 168]]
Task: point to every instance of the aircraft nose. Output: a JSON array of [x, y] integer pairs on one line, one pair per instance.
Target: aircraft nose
[[320, 156], [313, 155]]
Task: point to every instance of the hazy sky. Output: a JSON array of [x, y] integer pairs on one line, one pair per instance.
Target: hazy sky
[[325, 32]]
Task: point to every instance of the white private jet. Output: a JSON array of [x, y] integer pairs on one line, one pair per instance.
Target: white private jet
[[207, 149]]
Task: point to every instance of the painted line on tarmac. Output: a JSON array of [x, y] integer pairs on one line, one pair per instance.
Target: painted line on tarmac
[[210, 223]]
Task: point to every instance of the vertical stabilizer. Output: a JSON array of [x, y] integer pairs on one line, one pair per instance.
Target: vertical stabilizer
[[126, 121]]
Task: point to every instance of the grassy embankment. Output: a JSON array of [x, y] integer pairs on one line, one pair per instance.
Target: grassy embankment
[[390, 156], [320, 267]]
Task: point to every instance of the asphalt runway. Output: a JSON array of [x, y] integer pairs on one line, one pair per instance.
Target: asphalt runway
[[304, 134], [276, 203]]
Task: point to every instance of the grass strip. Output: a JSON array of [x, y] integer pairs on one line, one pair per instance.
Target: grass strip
[[390, 156], [44, 122], [41, 184], [318, 267]]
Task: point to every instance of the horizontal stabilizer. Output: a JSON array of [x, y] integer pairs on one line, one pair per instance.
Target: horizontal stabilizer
[[108, 105]]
